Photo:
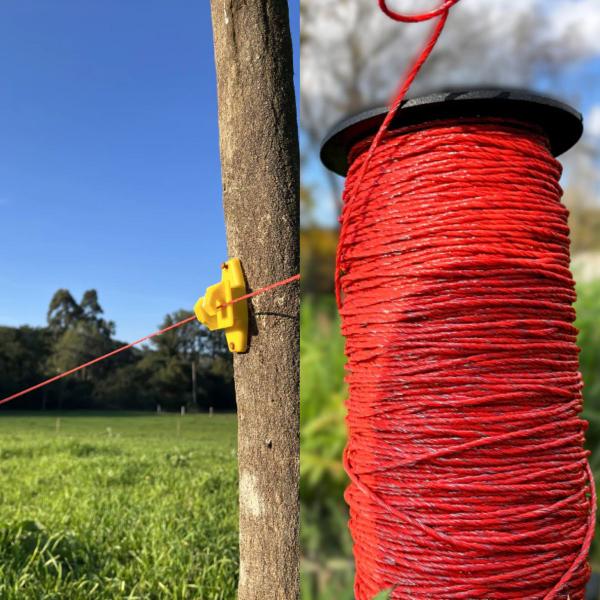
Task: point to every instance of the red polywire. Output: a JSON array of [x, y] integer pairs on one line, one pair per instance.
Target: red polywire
[[144, 339], [465, 447], [262, 290], [417, 17], [399, 96]]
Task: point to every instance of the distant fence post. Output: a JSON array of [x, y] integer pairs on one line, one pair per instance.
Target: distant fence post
[[260, 172]]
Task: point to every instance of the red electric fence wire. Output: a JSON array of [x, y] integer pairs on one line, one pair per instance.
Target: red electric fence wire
[[265, 289], [144, 339], [465, 450]]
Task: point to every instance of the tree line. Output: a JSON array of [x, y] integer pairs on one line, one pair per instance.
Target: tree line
[[189, 366]]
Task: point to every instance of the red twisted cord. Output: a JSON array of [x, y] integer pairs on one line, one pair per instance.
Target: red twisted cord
[[419, 17], [465, 451], [412, 73]]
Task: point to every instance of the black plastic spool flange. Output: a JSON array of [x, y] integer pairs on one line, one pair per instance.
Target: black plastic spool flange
[[562, 124]]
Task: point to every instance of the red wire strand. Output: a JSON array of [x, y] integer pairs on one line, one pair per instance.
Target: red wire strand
[[412, 73], [419, 17], [264, 289], [144, 339], [465, 450]]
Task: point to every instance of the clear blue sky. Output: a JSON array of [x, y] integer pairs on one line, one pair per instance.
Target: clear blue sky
[[109, 166]]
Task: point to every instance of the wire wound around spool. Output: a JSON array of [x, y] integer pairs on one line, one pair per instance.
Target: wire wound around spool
[[465, 449], [380, 447], [562, 123]]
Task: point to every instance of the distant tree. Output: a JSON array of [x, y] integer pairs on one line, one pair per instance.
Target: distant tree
[[216, 385], [212, 343], [183, 341], [191, 341], [127, 388], [81, 333], [78, 345], [63, 312], [92, 313], [90, 306], [23, 353], [186, 352]]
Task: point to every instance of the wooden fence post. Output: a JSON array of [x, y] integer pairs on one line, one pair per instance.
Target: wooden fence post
[[260, 172]]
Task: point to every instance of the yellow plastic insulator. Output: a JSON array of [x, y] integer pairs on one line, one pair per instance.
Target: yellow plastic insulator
[[214, 310]]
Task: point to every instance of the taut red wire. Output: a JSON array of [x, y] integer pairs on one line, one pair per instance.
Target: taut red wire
[[465, 451], [141, 340]]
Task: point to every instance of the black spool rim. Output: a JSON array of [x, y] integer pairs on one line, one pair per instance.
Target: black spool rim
[[562, 123]]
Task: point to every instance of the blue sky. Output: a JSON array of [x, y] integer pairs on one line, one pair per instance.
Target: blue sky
[[109, 166]]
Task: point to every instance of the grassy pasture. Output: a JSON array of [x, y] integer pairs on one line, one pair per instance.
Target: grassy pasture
[[117, 506]]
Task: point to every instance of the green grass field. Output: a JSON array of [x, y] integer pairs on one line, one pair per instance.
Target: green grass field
[[118, 506]]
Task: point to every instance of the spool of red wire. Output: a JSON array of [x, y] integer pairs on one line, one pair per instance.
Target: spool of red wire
[[465, 447]]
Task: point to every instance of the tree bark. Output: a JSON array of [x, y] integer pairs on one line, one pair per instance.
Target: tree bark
[[260, 173]]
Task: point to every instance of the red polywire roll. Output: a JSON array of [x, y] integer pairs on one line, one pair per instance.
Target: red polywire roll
[[465, 447]]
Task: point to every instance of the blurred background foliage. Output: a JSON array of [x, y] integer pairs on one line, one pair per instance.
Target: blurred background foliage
[[351, 59]]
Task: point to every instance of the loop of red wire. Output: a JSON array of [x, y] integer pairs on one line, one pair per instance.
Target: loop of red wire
[[468, 474], [416, 18]]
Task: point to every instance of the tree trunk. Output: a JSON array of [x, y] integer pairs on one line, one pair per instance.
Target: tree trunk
[[260, 171]]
